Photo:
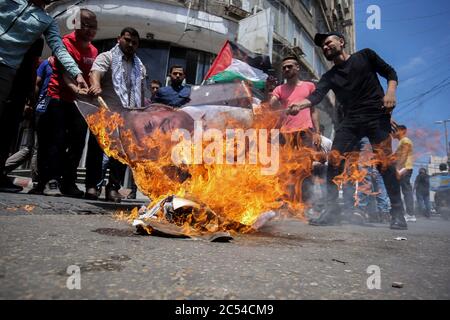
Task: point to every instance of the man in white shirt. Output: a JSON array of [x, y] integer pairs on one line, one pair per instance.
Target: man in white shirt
[[118, 76]]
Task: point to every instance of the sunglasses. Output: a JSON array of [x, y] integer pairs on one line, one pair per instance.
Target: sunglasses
[[287, 67]]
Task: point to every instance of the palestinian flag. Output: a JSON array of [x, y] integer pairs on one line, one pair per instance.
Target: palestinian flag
[[234, 62]]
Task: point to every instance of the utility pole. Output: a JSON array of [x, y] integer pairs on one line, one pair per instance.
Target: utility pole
[[444, 122]]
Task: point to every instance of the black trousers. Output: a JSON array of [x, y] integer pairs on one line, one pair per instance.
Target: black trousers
[[61, 134], [133, 183], [94, 161], [347, 139], [8, 79]]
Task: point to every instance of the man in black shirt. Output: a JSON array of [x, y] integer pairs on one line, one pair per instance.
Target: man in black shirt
[[422, 187], [366, 113]]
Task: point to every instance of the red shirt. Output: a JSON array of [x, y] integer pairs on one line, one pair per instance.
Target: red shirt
[[84, 58], [289, 95]]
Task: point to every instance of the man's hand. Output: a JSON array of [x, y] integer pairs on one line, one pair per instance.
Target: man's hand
[[95, 90], [317, 139], [83, 91], [295, 108], [81, 84], [389, 100]]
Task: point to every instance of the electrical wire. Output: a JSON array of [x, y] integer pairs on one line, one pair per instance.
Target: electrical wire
[[416, 102]]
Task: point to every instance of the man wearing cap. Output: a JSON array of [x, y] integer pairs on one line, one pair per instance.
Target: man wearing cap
[[367, 113]]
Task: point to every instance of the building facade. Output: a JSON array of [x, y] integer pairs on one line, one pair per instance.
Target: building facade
[[433, 165], [295, 24]]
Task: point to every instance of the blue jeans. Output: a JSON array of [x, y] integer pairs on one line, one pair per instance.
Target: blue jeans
[[383, 205], [348, 193], [383, 202], [347, 137]]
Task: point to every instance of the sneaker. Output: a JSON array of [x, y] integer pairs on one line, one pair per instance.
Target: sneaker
[[52, 189], [310, 213], [397, 225], [7, 186], [113, 196], [410, 218], [91, 194], [330, 217], [356, 217], [398, 222], [72, 190]]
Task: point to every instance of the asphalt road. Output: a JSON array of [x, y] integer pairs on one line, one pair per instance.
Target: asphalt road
[[287, 259]]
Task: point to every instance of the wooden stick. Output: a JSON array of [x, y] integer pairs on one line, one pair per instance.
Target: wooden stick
[[102, 103]]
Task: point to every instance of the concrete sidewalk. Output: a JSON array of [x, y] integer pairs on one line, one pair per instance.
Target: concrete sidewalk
[[41, 237]]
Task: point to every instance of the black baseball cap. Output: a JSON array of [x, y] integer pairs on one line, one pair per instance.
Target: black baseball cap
[[320, 37]]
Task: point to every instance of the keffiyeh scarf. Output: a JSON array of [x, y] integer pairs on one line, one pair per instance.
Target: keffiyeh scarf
[[119, 80]]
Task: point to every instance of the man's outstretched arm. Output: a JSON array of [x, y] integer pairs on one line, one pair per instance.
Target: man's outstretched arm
[[297, 107], [313, 99], [95, 78]]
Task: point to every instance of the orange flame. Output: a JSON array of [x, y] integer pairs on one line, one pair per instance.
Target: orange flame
[[236, 194]]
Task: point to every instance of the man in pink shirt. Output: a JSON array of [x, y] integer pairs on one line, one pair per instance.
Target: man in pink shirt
[[304, 126], [302, 129]]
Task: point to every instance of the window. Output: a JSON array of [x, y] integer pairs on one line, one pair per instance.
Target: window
[[195, 63], [319, 66], [307, 46], [297, 35], [274, 8], [177, 56], [191, 66], [283, 20], [291, 22], [154, 56], [308, 5], [203, 65]]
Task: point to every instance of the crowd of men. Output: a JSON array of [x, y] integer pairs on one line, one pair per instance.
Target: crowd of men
[[57, 129]]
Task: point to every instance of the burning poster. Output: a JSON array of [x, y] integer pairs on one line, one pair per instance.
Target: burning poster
[[224, 158]]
